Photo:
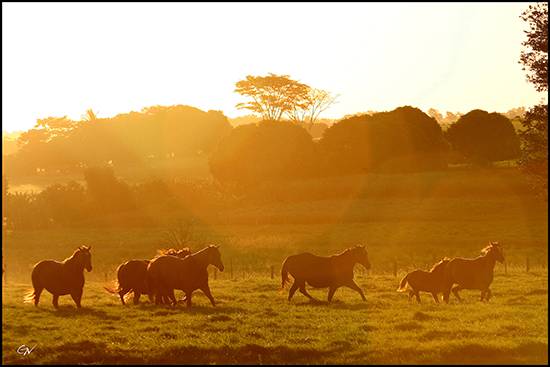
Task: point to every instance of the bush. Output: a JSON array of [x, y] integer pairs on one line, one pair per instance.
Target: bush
[[403, 140], [483, 137], [269, 150]]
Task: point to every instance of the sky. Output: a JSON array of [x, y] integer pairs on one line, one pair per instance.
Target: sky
[[63, 58]]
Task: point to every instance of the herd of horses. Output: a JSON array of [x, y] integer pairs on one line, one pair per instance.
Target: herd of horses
[[183, 270]]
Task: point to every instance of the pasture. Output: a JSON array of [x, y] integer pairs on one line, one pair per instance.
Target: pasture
[[406, 222], [254, 323]]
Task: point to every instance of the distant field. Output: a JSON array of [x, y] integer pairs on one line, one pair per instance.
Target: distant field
[[253, 323]]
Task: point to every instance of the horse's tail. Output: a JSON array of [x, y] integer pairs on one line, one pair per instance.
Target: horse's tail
[[403, 284], [115, 290], [284, 274]]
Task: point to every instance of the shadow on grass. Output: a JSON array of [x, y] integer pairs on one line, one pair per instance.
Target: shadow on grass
[[87, 352], [529, 352], [69, 311]]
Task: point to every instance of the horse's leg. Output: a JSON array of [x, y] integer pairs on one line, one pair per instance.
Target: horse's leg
[[293, 290], [482, 296], [435, 296], [303, 290], [172, 297], [188, 299], [331, 291], [206, 291], [122, 293], [411, 294], [351, 284], [488, 294], [417, 294], [455, 290], [37, 293], [77, 296], [55, 301], [137, 294]]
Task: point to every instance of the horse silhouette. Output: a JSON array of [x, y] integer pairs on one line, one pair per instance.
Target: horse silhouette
[[321, 272], [427, 281], [166, 273], [477, 273], [132, 276], [61, 278]]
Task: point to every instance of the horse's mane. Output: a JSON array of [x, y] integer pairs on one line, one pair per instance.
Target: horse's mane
[[348, 250], [440, 263], [171, 251], [489, 247]]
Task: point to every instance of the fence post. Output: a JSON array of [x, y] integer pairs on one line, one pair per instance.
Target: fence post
[[527, 263], [272, 272]]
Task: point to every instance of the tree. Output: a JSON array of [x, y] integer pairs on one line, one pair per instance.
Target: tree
[[268, 151], [272, 95], [315, 102], [483, 137], [534, 135], [535, 55], [402, 140]]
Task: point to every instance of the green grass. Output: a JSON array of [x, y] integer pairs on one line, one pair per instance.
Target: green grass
[[254, 323], [407, 220]]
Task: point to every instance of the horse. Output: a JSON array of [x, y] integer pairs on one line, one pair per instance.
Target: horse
[[132, 275], [61, 278], [322, 272], [166, 273], [473, 273], [427, 281]]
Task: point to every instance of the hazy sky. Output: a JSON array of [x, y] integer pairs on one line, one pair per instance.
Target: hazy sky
[[61, 59]]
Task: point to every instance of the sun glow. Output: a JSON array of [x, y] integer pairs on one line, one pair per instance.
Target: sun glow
[[61, 59]]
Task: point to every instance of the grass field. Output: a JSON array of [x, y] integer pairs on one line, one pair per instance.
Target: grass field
[[254, 323], [406, 221]]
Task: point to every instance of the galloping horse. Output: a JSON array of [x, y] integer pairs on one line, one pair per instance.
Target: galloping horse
[[427, 281], [61, 278], [166, 273], [320, 271], [132, 275], [473, 273]]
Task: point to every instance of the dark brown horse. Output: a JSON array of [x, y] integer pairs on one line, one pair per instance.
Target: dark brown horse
[[61, 278], [132, 276], [320, 272], [166, 273], [427, 281], [473, 273]]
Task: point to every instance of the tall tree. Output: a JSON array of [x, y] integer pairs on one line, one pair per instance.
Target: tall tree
[[272, 95], [535, 55], [316, 101], [534, 135]]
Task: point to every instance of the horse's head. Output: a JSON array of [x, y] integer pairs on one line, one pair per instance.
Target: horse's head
[[84, 257], [361, 256], [495, 250], [214, 257], [440, 266]]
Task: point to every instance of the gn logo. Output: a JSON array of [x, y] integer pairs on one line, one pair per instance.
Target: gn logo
[[24, 350]]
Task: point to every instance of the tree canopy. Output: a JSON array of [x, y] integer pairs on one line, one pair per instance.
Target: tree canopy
[[484, 137]]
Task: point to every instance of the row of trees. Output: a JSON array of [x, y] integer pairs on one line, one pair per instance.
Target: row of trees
[[403, 140], [104, 199], [133, 139]]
